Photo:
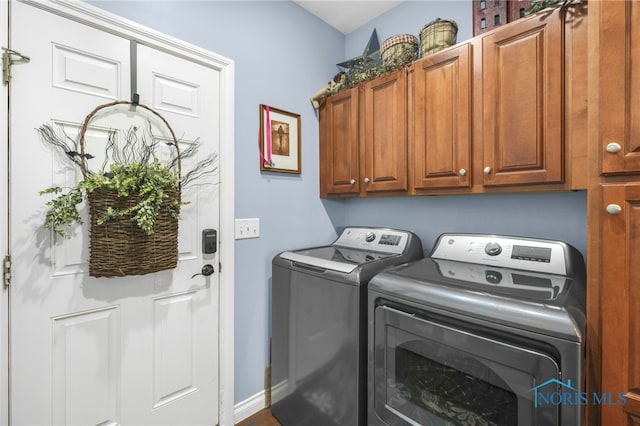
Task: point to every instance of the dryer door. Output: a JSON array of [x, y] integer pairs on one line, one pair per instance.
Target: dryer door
[[426, 372]]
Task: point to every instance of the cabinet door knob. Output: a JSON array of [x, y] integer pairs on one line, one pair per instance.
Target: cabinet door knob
[[367, 180], [487, 170], [352, 181], [614, 209], [613, 147], [462, 172]]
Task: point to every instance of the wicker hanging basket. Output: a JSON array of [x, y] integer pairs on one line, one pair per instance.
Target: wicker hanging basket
[[119, 247]]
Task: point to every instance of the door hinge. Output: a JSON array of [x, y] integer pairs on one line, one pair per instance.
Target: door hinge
[[6, 271], [10, 57]]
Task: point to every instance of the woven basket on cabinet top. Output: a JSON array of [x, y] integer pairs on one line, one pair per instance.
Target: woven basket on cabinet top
[[437, 35], [399, 50]]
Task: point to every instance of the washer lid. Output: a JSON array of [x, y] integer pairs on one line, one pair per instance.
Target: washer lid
[[334, 258]]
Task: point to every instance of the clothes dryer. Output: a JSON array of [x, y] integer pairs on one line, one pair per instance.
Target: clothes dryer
[[487, 330]]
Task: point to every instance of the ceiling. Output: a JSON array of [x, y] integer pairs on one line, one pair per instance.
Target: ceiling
[[346, 16]]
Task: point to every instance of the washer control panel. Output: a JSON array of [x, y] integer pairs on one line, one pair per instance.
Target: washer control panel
[[503, 251], [376, 239]]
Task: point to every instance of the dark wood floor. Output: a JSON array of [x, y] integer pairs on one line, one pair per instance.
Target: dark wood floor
[[262, 418]]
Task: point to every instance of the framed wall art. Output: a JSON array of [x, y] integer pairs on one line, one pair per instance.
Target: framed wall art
[[279, 140]]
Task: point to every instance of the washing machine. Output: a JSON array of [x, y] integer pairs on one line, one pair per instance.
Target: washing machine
[[318, 324], [486, 330]]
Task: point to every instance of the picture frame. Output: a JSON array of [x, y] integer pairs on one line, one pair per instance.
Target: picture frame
[[280, 144]]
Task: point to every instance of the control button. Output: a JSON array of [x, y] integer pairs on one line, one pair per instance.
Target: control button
[[492, 277], [369, 237], [493, 249]]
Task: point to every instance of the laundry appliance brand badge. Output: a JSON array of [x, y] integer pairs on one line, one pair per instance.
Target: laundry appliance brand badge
[[556, 392]]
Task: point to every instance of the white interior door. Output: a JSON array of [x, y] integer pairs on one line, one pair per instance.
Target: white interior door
[[88, 351]]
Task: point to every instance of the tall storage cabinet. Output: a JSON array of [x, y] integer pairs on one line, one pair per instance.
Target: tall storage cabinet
[[614, 210]]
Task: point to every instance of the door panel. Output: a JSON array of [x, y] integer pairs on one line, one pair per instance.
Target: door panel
[[339, 144], [174, 334], [83, 72], [86, 363], [385, 133], [522, 102], [620, 303], [442, 137], [130, 350], [620, 86]]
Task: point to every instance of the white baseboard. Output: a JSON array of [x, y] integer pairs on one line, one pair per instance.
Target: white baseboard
[[248, 407], [280, 390]]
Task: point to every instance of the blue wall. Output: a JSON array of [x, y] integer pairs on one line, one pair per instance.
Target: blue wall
[[555, 216], [282, 55]]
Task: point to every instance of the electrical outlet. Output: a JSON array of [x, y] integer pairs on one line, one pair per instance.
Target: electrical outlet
[[247, 228]]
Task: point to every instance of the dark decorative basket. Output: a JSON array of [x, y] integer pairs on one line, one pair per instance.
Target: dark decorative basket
[[119, 247]]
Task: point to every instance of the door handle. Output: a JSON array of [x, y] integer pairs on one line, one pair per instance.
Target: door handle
[[206, 271]]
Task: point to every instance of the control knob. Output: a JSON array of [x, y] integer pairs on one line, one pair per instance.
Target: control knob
[[492, 249], [369, 237]]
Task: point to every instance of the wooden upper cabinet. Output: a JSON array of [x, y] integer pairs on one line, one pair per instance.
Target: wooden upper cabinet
[[620, 302], [620, 86], [339, 138], [522, 98], [384, 133], [504, 111], [440, 143]]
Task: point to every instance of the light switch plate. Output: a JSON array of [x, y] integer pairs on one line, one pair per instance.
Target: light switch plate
[[247, 228]]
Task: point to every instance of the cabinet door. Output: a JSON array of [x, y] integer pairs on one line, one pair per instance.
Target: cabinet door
[[339, 144], [620, 301], [620, 86], [522, 77], [384, 147], [441, 139]]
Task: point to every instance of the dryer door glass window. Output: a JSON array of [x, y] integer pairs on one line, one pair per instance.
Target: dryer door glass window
[[426, 372]]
